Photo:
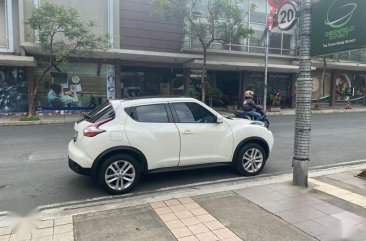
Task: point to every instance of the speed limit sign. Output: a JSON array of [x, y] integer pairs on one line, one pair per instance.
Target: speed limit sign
[[287, 16]]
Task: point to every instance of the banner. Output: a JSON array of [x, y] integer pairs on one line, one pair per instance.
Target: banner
[[337, 25], [111, 84]]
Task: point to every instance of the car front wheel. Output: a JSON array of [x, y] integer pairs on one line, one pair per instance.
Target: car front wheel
[[251, 159], [119, 174]]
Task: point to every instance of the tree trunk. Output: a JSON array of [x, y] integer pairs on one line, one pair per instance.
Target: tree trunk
[[303, 100], [203, 77], [31, 110]]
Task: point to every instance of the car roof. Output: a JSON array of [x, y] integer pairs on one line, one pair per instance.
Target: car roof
[[150, 100]]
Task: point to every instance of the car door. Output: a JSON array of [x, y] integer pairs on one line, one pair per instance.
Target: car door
[[151, 129], [203, 139]]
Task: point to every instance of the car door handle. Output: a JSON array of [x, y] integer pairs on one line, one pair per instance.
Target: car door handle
[[188, 132]]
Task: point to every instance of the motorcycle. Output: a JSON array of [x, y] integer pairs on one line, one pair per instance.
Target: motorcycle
[[250, 116]]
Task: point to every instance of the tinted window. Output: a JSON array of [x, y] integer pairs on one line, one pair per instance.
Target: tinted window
[[101, 112], [152, 113], [193, 113]]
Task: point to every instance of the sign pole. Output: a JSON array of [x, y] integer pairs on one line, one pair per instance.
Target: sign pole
[[266, 71]]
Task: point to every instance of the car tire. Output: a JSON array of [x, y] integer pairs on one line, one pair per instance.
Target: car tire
[[250, 159], [119, 174]]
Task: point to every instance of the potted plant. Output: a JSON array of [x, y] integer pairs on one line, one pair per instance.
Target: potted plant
[[213, 93], [232, 103], [275, 103]]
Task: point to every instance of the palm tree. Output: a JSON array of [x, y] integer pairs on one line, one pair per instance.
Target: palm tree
[[303, 100]]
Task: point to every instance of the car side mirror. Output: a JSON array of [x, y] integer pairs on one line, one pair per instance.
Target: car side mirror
[[219, 120]]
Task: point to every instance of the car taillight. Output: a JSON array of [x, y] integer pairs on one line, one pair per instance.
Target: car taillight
[[94, 130]]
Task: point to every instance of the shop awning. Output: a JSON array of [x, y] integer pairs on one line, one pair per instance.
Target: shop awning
[[225, 65], [13, 60], [129, 55], [340, 65]]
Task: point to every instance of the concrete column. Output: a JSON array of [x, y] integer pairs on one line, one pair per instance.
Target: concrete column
[[31, 81], [187, 80], [332, 88], [118, 80]]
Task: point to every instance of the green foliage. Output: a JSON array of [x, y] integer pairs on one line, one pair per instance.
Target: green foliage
[[275, 100], [192, 93], [208, 21], [61, 34], [213, 92], [29, 118]]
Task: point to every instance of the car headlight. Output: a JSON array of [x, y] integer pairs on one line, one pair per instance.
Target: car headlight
[[260, 123]]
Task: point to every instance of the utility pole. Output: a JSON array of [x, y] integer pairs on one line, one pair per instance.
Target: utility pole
[[303, 100]]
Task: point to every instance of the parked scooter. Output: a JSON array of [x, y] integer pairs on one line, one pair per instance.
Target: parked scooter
[[250, 116]]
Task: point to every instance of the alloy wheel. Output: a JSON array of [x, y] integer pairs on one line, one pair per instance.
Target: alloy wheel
[[119, 175], [252, 160]]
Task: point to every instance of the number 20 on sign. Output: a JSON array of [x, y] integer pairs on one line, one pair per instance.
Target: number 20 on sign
[[287, 16]]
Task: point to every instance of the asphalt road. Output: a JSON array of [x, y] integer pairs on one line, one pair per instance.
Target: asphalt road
[[34, 171]]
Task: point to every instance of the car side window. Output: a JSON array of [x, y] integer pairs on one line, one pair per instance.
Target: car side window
[[190, 112], [156, 113]]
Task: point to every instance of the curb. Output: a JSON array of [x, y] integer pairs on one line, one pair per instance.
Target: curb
[[39, 122]]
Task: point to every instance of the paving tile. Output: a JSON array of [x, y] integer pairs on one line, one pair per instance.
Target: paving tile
[[278, 186], [262, 189], [236, 238], [178, 208], [163, 210], [20, 236], [47, 238], [276, 208], [198, 228], [174, 224], [4, 237], [274, 195], [172, 202], [338, 192], [45, 224], [198, 211], [168, 217], [310, 213], [208, 236], [260, 200], [185, 200], [189, 238], [328, 221], [5, 230], [158, 204], [350, 196], [349, 218], [63, 229], [247, 192], [292, 216], [291, 192], [184, 214], [327, 208], [206, 218], [64, 237], [192, 206], [214, 225], [190, 221], [311, 227], [62, 221], [224, 233], [181, 232], [43, 232]]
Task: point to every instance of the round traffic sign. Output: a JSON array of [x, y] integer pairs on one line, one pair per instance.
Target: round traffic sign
[[276, 4], [287, 16]]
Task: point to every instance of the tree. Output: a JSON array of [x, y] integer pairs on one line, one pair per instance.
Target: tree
[[207, 21], [303, 100], [61, 34]]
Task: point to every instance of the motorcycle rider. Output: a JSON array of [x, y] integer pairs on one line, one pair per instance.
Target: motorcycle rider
[[249, 105]]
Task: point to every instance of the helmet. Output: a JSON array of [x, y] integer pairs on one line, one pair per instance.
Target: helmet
[[249, 94]]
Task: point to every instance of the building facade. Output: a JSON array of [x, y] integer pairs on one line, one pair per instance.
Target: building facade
[[150, 56]]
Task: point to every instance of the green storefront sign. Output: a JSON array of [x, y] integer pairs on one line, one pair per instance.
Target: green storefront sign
[[338, 25]]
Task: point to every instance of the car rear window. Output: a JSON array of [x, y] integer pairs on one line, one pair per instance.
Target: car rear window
[[101, 112]]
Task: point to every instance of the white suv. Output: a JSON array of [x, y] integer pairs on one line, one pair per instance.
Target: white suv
[[122, 139]]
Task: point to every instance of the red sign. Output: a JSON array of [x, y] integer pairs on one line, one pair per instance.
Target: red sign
[[272, 20], [276, 4]]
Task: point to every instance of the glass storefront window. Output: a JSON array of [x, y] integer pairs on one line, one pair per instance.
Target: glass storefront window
[[72, 86], [3, 24], [259, 15], [143, 81], [13, 90]]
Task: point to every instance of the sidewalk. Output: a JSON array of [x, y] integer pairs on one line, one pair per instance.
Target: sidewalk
[[263, 209], [71, 118]]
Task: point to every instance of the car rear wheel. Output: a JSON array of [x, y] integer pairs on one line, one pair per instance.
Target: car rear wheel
[[119, 174], [251, 159]]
